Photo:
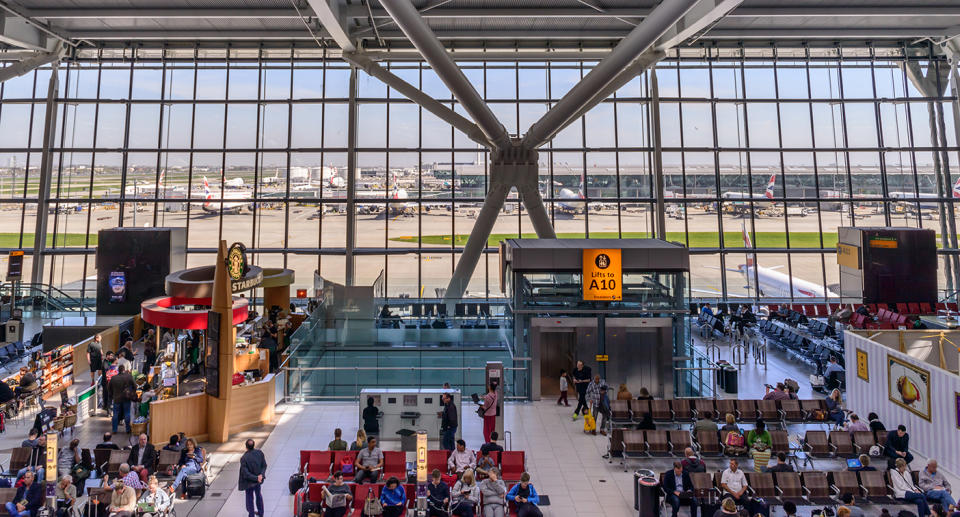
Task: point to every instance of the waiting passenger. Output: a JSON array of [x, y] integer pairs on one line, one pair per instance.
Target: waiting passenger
[[644, 394], [623, 393], [705, 309], [492, 445], [790, 509], [360, 443], [493, 492], [733, 482], [728, 508], [855, 425], [337, 444], [490, 408], [898, 445], [905, 490], [173, 444], [705, 424], [843, 511], [691, 463], [465, 495], [760, 442], [337, 496], [6, 394], [679, 489], [155, 497], [875, 423], [461, 459], [835, 408], [935, 487], [864, 464], [369, 463], [191, 462], [524, 495], [438, 495], [29, 498], [393, 498], [65, 494], [485, 464], [832, 367], [848, 501], [731, 423], [781, 466]]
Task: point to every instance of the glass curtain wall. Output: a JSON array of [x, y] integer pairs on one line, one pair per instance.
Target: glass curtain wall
[[773, 147]]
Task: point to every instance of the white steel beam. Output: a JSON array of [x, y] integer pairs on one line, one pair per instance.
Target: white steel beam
[[328, 12], [29, 64], [408, 19], [665, 16], [416, 95], [18, 32], [820, 11], [700, 18]]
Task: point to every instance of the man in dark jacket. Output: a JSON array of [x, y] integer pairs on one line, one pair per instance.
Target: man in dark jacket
[[679, 489], [898, 445], [448, 423], [29, 493], [142, 458], [253, 468], [581, 379], [121, 387]]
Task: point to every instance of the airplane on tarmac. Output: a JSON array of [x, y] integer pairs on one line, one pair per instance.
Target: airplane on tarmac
[[212, 206], [907, 198]]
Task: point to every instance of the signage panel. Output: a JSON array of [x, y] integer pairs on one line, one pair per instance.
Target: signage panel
[[848, 256], [602, 275]]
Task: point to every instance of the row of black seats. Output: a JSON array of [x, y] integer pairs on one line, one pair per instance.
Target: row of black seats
[[12, 352]]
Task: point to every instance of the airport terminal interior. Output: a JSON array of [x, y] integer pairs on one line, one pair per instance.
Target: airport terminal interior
[[303, 258]]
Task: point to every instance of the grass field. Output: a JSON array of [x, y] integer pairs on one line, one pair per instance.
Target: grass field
[[12, 240], [697, 239]]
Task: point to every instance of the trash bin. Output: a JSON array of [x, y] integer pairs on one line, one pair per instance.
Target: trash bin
[[647, 492], [730, 380], [408, 440], [721, 379]]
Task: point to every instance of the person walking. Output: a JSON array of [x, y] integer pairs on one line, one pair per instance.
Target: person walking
[[448, 423], [581, 378], [95, 358], [123, 392], [253, 468], [489, 411], [564, 386]]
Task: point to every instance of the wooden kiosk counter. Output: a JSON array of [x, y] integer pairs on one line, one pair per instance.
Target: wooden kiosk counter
[[251, 405]]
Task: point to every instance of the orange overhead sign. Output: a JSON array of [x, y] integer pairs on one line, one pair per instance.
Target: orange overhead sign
[[602, 275]]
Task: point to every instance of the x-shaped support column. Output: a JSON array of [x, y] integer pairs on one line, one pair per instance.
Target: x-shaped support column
[[517, 167]]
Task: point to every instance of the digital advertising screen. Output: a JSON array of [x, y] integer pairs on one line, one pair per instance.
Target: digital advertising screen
[[118, 287]]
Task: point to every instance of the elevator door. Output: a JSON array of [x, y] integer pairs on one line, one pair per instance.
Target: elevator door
[[556, 352]]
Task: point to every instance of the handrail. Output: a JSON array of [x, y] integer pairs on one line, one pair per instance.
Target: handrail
[[53, 296]]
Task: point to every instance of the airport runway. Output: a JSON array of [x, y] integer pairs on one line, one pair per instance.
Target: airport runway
[[431, 268]]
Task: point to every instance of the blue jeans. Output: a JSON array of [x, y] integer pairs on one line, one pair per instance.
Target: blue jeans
[[36, 470], [675, 503], [940, 496], [121, 411], [186, 470], [915, 497], [447, 439], [254, 496], [12, 509]]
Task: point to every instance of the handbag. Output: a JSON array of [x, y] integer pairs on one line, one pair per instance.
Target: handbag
[[481, 412], [79, 473], [346, 465], [372, 507]]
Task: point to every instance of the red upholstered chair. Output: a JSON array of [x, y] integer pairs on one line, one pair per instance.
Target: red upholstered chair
[[394, 464], [512, 464], [437, 460], [338, 460], [318, 465]]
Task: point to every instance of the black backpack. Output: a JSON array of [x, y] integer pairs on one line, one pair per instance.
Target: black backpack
[[308, 507], [295, 482]]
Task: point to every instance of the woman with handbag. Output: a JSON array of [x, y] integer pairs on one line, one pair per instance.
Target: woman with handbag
[[489, 411]]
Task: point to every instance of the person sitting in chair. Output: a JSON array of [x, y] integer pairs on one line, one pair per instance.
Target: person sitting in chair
[[679, 489]]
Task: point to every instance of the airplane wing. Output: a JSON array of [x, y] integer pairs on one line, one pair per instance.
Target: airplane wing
[[776, 267], [718, 293], [732, 270]]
